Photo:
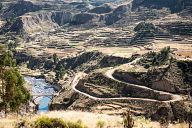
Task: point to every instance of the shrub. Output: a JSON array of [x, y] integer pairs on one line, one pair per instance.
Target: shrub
[[45, 122], [75, 125], [100, 124]]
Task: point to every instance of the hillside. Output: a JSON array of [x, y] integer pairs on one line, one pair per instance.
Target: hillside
[[103, 57]]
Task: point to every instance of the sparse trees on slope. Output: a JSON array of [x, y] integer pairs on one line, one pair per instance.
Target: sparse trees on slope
[[13, 93], [163, 55], [157, 58]]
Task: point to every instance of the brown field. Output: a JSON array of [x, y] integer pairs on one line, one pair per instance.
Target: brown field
[[184, 54], [116, 51]]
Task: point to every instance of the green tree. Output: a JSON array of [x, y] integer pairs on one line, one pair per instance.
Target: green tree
[[13, 93], [5, 61], [59, 72]]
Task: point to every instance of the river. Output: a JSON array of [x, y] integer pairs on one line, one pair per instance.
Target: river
[[40, 87]]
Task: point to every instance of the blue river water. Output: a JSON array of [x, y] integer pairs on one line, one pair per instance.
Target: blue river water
[[41, 88]]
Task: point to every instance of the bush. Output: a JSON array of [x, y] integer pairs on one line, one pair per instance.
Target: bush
[[100, 124], [45, 122]]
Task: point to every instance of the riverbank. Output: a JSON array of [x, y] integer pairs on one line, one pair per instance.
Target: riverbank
[[39, 74]]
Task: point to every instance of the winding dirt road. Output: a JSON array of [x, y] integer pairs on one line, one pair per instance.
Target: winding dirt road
[[109, 74]]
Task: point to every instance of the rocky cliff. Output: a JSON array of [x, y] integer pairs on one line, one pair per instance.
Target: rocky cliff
[[35, 22], [44, 20]]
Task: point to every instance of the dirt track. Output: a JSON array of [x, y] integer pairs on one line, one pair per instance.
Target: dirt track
[[109, 74]]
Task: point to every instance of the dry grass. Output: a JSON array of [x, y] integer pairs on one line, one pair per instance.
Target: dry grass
[[89, 119], [7, 123]]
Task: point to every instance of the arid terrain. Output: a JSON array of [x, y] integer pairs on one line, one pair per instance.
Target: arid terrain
[[106, 57]]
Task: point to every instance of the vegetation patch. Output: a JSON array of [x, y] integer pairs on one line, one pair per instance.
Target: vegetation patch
[[156, 58], [13, 93], [46, 122], [100, 124]]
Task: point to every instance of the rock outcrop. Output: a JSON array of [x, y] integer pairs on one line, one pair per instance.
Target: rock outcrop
[[106, 8], [20, 8], [116, 14]]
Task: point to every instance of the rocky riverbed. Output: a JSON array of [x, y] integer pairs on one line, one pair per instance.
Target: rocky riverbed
[[41, 92]]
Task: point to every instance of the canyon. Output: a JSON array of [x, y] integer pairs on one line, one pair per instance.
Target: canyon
[[105, 56]]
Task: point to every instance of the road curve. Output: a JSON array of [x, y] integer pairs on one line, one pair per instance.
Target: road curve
[[81, 75], [175, 97], [109, 74]]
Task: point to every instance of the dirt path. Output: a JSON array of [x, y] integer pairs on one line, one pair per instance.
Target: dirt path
[[109, 74], [175, 97], [81, 75]]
